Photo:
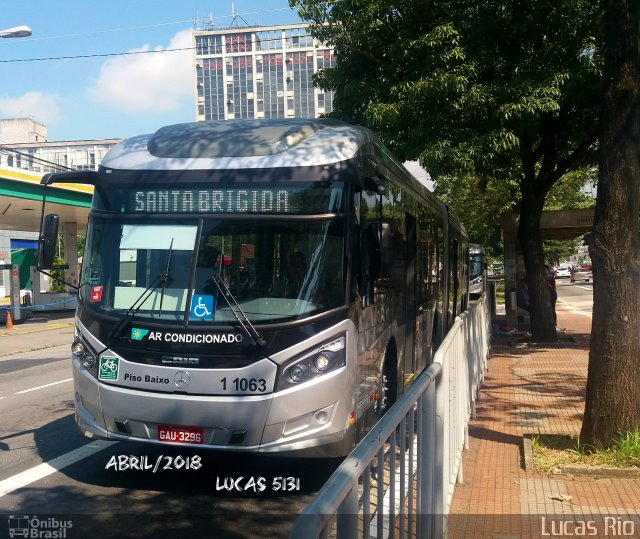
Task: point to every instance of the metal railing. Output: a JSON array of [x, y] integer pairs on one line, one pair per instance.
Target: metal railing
[[399, 480]]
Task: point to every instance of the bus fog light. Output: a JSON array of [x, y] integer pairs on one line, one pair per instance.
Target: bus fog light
[[87, 360], [322, 417], [297, 373], [322, 362]]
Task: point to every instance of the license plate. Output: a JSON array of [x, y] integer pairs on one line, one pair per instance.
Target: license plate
[[180, 434]]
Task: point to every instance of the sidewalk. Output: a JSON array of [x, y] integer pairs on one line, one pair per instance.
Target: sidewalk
[[42, 330], [530, 389]]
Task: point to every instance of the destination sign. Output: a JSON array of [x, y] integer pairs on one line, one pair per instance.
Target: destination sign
[[215, 201], [313, 199]]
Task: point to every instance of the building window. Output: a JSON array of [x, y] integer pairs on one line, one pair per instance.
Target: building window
[[297, 38], [238, 43], [209, 44], [269, 40]]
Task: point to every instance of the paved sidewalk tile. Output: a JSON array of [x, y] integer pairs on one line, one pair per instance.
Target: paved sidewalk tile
[[532, 389]]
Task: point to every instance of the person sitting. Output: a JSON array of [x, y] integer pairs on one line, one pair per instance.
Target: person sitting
[[207, 267], [553, 294], [522, 295]]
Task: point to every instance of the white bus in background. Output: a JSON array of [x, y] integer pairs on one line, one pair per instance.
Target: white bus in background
[[477, 271]]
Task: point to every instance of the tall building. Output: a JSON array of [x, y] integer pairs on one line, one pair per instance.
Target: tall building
[[260, 72]]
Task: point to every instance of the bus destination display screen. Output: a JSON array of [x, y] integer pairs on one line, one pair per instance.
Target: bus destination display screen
[[261, 200]]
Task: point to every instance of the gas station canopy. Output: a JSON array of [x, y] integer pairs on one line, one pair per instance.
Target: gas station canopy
[[21, 201]]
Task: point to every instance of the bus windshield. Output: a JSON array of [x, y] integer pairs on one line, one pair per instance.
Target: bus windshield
[[275, 270]]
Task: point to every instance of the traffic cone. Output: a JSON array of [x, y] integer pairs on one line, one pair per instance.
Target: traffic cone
[[9, 321]]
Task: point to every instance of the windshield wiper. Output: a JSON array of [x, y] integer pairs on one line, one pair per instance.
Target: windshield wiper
[[242, 319], [162, 279], [167, 278]]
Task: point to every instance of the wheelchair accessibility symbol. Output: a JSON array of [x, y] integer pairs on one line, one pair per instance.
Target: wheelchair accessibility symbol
[[202, 307]]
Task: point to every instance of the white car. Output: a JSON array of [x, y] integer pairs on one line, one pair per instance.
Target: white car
[[563, 271], [581, 273]]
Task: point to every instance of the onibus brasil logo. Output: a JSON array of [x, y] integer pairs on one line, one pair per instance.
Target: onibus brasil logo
[[41, 528]]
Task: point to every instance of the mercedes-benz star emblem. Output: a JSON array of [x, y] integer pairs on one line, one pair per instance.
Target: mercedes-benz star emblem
[[182, 379]]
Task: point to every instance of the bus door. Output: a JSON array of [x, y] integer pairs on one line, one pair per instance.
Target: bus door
[[410, 360], [370, 308]]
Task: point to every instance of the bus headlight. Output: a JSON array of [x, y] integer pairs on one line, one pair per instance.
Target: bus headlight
[[312, 364], [84, 355], [322, 361], [297, 373]]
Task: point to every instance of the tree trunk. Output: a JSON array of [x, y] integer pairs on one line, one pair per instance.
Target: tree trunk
[[612, 398], [543, 328]]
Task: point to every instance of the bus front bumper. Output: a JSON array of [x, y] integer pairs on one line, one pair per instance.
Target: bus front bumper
[[310, 420]]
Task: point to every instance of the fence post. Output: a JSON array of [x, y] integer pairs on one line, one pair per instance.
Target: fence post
[[347, 516]]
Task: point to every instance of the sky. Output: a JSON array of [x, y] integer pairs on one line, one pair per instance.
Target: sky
[[110, 96]]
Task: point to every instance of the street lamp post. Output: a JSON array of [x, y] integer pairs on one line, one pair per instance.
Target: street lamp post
[[17, 31]]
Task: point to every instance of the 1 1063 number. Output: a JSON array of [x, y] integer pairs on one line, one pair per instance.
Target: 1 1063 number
[[252, 385]]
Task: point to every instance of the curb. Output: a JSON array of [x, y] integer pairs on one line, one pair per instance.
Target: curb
[[48, 327], [600, 471], [527, 453], [7, 355], [584, 470]]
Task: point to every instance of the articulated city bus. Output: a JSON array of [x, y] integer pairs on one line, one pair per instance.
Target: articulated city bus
[[263, 286]]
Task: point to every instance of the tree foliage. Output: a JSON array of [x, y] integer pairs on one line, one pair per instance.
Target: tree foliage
[[477, 207], [478, 204], [506, 93]]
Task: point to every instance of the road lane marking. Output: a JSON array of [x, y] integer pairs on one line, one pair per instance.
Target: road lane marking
[[42, 387], [575, 309], [45, 469]]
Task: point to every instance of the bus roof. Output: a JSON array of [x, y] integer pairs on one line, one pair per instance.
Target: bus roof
[[251, 145], [241, 144]]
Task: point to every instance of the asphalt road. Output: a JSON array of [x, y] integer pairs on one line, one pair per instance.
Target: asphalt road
[[576, 296], [50, 472], [83, 483]]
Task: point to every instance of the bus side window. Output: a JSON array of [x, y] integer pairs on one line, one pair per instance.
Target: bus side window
[[386, 251], [369, 264], [370, 245]]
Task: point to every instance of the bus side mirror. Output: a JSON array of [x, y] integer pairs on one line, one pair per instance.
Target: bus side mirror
[[47, 241]]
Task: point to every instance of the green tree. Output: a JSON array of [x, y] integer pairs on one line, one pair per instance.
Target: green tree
[[477, 204], [612, 399], [477, 207], [57, 282], [568, 194], [505, 92], [556, 251]]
